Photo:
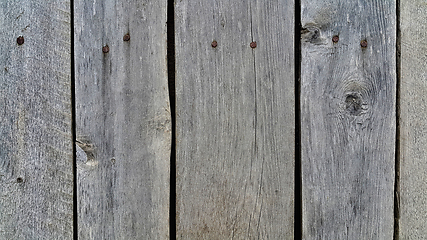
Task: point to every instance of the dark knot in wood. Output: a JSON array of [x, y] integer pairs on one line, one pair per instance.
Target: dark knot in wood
[[353, 104], [311, 33]]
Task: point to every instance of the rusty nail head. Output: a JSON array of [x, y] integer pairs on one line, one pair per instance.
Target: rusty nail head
[[20, 40], [253, 44], [364, 43], [19, 180], [214, 44], [106, 49], [126, 37], [335, 39]]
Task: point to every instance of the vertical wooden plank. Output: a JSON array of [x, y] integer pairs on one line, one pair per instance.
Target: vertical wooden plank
[[36, 153], [123, 119], [413, 130], [348, 95], [235, 119]]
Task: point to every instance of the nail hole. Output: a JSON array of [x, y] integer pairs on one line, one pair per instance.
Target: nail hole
[[105, 49], [20, 40], [364, 43], [335, 39], [126, 37], [214, 44], [19, 180]]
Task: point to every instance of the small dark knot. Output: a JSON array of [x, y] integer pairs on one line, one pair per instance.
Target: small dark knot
[[353, 104]]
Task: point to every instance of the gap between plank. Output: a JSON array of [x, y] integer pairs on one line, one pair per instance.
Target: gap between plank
[[397, 151], [73, 122], [298, 174], [171, 85]]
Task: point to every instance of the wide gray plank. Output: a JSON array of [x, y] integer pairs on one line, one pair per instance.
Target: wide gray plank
[[122, 119], [413, 112], [36, 153], [348, 97], [235, 119]]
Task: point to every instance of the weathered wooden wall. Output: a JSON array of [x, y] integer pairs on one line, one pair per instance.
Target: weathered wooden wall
[[36, 147], [237, 136], [235, 119], [123, 119], [348, 129]]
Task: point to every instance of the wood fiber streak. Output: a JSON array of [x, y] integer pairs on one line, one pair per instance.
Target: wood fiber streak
[[123, 120], [235, 119], [348, 97], [413, 112], [36, 160]]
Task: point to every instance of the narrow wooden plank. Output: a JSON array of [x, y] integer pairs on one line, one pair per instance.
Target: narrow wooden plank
[[413, 123], [36, 160], [123, 119], [348, 95], [235, 119]]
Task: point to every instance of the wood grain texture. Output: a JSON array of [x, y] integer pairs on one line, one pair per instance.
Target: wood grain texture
[[36, 160], [235, 119], [348, 99], [122, 119], [413, 130]]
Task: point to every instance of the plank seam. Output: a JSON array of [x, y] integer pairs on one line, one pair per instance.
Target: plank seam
[[73, 122], [397, 151], [171, 87], [297, 89]]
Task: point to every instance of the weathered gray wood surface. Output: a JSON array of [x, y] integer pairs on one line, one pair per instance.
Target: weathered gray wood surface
[[123, 120], [235, 119], [348, 96], [36, 160], [413, 112]]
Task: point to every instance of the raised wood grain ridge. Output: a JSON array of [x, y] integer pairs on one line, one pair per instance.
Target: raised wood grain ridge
[[413, 112], [36, 146], [348, 101], [235, 119], [122, 119]]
